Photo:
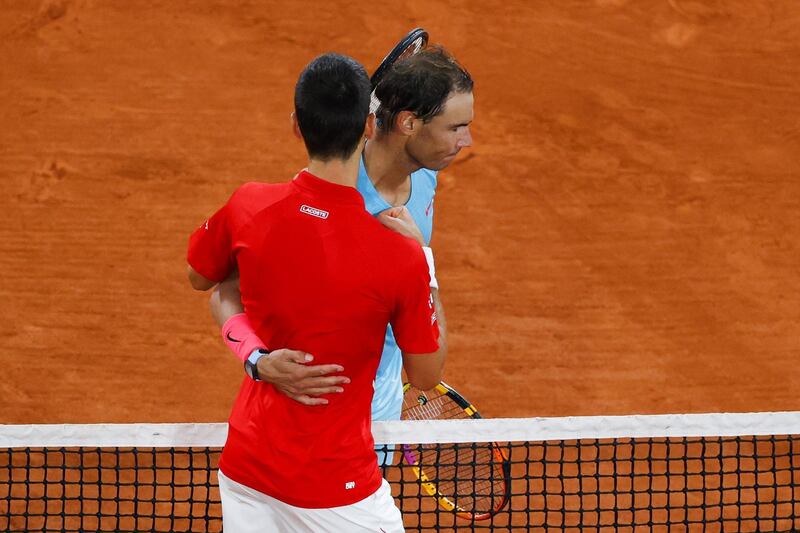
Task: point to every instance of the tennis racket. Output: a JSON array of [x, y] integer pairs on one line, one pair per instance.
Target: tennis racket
[[412, 43], [472, 480]]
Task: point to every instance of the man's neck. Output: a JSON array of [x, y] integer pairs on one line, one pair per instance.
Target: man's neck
[[338, 171], [388, 165]]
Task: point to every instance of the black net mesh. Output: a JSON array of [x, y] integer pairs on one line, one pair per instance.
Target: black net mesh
[[652, 484]]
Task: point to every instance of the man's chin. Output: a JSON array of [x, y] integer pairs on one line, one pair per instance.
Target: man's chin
[[442, 163]]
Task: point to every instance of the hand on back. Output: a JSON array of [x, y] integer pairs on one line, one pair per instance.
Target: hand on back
[[289, 372]]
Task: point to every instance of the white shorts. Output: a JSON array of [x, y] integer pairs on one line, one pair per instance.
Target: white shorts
[[245, 510]]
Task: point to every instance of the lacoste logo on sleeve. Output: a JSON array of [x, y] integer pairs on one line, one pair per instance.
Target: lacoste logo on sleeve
[[313, 211]]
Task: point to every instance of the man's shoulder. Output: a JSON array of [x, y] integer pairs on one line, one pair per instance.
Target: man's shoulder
[[256, 193], [396, 249], [253, 197], [425, 176]]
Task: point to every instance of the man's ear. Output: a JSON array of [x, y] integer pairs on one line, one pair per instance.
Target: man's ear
[[296, 127], [407, 123], [369, 127]]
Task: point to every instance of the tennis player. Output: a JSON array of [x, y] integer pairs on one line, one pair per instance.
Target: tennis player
[[320, 275], [423, 122]]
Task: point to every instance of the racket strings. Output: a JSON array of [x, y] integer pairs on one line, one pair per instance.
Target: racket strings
[[439, 407], [470, 476]]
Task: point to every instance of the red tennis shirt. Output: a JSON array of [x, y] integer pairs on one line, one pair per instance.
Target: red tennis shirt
[[319, 274]]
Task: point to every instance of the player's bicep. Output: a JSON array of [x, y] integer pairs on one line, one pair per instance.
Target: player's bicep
[[416, 328]]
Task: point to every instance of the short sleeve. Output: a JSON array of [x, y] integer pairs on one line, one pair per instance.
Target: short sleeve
[[414, 317], [210, 251]]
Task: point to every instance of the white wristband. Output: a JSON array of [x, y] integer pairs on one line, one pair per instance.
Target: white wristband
[[431, 267]]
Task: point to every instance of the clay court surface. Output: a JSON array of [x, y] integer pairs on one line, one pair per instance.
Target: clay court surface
[[624, 236]]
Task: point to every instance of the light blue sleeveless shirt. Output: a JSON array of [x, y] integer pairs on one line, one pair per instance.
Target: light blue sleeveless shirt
[[387, 401]]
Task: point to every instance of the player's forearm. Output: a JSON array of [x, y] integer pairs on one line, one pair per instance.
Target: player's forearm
[[424, 371], [240, 337], [226, 300], [227, 309]]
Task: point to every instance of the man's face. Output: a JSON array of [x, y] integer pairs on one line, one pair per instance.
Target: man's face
[[438, 142]]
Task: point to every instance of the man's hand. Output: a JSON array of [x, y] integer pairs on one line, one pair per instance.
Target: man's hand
[[400, 220], [289, 372]]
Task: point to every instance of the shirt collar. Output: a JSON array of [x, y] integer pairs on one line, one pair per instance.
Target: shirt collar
[[327, 190]]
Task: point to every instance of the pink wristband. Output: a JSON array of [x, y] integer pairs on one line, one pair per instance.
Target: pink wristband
[[240, 337]]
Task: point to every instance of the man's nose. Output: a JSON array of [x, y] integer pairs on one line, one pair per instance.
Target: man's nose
[[465, 140]]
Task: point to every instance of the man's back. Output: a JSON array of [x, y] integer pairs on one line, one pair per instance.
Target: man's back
[[319, 274]]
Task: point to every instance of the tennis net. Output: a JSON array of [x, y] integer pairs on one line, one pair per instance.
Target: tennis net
[[712, 472]]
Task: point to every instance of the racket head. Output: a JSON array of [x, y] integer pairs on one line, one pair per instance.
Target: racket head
[[472, 480], [413, 42]]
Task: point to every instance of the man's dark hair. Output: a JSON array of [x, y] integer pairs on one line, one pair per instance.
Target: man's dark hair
[[331, 102], [420, 83]]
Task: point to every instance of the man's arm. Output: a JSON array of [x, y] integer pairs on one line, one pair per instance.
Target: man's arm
[[226, 299], [424, 371], [210, 250], [288, 371]]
